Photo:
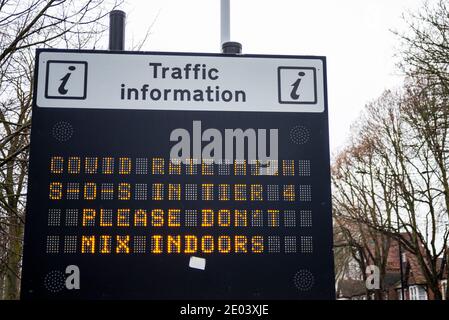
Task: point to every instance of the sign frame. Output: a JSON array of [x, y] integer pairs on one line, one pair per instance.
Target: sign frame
[[322, 278]]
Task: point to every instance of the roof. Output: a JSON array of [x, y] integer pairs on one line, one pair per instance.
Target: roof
[[441, 263], [348, 288], [391, 279], [416, 275]]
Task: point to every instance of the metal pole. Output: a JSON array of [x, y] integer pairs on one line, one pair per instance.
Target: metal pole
[[225, 21], [401, 262], [117, 30], [227, 46], [402, 270]]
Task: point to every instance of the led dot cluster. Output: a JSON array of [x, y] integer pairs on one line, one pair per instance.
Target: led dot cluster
[[273, 192], [305, 217], [256, 192], [52, 244], [240, 167], [274, 244], [71, 217], [54, 217], [107, 191], [123, 217], [57, 165], [288, 167], [70, 244], [73, 191], [240, 218], [90, 191], [141, 191], [224, 168], [74, 165], [303, 280], [191, 218], [257, 218], [124, 165], [305, 193], [124, 191], [304, 168], [174, 167], [140, 244], [54, 281], [237, 217], [157, 191], [141, 166], [289, 192], [240, 192], [62, 131], [91, 165], [208, 167], [106, 218], [191, 191], [273, 218], [224, 192], [207, 192], [290, 244], [306, 244], [108, 165], [299, 135], [158, 166], [254, 166], [290, 218], [269, 168], [192, 166], [88, 218]]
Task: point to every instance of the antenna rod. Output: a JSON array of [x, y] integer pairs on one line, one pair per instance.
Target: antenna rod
[[225, 21], [227, 46]]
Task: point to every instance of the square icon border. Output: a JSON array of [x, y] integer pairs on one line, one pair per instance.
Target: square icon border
[[47, 69], [315, 89]]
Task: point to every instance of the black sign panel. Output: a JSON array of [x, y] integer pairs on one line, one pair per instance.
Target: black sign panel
[[112, 215]]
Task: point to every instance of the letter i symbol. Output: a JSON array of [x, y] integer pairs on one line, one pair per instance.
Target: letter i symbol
[[62, 89], [294, 94]]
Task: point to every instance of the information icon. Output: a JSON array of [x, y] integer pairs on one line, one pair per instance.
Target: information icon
[[297, 85], [66, 80]]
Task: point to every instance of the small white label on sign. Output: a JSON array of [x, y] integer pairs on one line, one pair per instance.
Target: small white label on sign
[[197, 263]]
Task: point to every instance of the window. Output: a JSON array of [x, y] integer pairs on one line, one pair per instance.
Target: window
[[418, 293], [422, 293], [404, 257], [443, 289], [412, 293]]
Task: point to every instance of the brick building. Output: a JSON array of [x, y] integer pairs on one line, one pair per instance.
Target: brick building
[[352, 287]]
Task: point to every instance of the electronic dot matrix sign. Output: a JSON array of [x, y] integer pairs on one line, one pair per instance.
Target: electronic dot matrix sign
[[178, 176]]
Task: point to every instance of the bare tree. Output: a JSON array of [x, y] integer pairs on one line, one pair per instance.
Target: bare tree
[[393, 178], [420, 205], [425, 43], [425, 59], [396, 172], [23, 27], [361, 195]]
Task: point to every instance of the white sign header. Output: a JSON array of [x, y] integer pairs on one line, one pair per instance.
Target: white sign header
[[160, 81]]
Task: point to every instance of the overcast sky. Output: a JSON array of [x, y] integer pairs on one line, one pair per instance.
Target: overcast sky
[[354, 35]]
